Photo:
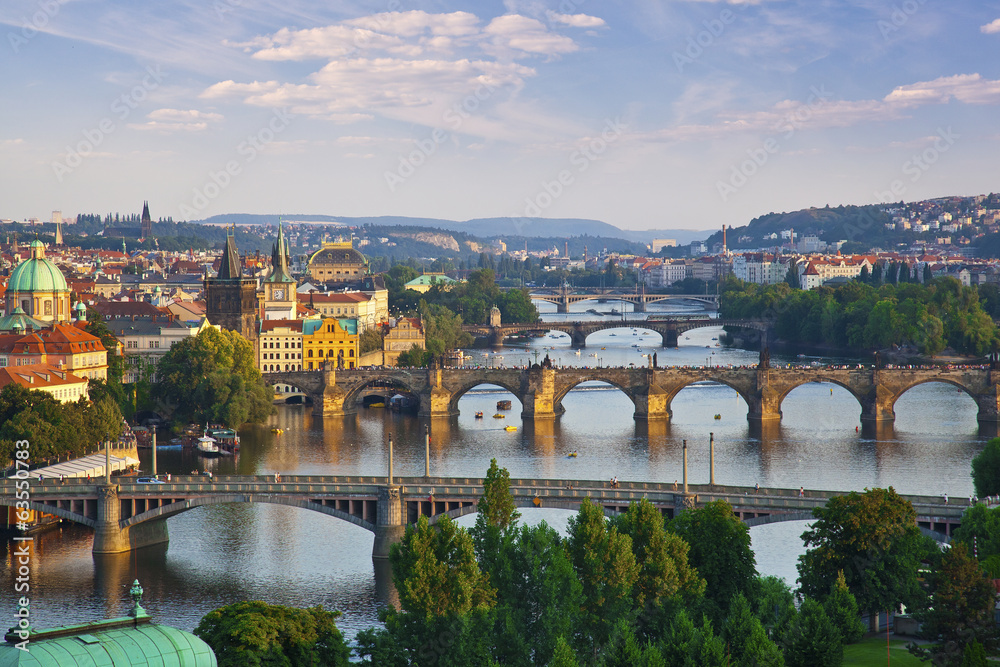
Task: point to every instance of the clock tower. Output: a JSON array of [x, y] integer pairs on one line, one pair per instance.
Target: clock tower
[[279, 299]]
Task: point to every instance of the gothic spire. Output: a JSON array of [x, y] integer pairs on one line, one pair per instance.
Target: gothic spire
[[279, 259], [229, 268]]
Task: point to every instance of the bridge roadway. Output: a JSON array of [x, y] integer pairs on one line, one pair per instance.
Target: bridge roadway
[[668, 328], [651, 390], [564, 297], [127, 515]]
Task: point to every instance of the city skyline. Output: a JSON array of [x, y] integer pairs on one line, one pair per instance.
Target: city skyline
[[686, 115]]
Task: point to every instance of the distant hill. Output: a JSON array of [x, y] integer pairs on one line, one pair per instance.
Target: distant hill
[[486, 228], [862, 224]]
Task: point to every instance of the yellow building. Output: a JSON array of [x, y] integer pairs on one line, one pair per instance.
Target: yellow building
[[337, 262], [332, 340]]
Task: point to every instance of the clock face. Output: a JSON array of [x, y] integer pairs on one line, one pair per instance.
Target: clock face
[[279, 294]]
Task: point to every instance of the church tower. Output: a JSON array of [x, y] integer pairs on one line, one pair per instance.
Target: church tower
[[147, 222], [230, 298], [279, 299]]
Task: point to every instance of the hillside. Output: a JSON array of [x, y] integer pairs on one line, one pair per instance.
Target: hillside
[[486, 228]]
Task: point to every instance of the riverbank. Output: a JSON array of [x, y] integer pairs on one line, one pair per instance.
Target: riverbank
[[900, 356]]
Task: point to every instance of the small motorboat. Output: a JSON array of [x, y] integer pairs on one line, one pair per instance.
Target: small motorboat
[[479, 415], [377, 405], [206, 446], [277, 431], [718, 416], [571, 455], [510, 428], [499, 416]]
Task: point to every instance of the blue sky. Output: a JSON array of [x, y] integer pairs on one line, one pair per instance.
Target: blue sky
[[642, 114]]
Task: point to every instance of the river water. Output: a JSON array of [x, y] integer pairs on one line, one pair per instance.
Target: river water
[[282, 555]]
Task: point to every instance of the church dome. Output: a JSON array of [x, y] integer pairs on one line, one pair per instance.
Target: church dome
[[338, 255], [37, 274]]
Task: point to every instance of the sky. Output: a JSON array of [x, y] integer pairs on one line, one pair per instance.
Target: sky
[[646, 115]]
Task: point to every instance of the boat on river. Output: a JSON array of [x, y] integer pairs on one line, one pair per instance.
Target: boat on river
[[206, 446]]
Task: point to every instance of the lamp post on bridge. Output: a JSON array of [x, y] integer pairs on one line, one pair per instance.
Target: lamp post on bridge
[[390, 460], [427, 451], [685, 467]]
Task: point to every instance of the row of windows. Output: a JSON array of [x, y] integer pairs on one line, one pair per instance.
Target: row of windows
[[270, 368], [277, 355], [330, 353], [272, 346], [349, 364]]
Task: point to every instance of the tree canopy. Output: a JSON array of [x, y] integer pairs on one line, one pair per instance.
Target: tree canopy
[[986, 469], [212, 377], [873, 539], [257, 634]]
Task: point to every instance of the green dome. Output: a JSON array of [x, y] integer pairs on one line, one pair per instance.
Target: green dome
[[37, 274], [129, 646]]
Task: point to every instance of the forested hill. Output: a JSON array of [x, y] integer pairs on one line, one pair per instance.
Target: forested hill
[[863, 224]]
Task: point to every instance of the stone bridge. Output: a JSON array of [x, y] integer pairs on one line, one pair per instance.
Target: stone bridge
[[668, 328], [564, 297], [651, 390], [127, 515]]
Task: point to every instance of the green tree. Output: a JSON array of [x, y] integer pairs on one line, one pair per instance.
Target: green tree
[[436, 573], [370, 340], [720, 551], [986, 469], [212, 377], [774, 605], [606, 567], [745, 637], [960, 610], [871, 537], [662, 557], [842, 608], [974, 655], [249, 634], [563, 656], [812, 639], [415, 357]]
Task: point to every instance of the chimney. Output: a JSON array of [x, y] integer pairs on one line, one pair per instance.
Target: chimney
[[724, 247]]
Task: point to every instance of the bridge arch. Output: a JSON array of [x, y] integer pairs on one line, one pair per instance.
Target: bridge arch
[[563, 389], [173, 509], [352, 394], [935, 380], [821, 379], [493, 382], [53, 510], [677, 389]]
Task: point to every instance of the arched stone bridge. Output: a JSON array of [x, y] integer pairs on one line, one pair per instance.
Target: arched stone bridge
[[668, 328], [564, 297], [126, 515], [651, 390]]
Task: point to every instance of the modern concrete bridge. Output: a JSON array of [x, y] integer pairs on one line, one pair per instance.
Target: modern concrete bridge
[[668, 328], [126, 515], [565, 296], [651, 390]]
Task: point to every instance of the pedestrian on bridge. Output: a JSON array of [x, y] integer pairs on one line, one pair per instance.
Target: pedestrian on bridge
[[802, 492]]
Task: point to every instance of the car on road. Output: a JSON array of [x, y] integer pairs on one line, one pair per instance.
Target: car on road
[[149, 480]]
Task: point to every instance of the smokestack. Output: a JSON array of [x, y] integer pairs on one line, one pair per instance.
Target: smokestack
[[566, 251], [723, 239]]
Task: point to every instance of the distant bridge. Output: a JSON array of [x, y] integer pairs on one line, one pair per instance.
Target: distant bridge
[[126, 515], [565, 296], [668, 328], [651, 390]]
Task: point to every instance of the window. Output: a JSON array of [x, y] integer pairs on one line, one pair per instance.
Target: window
[[309, 354]]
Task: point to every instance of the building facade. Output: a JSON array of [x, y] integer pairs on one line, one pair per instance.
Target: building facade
[[38, 288], [279, 345], [331, 340], [337, 262]]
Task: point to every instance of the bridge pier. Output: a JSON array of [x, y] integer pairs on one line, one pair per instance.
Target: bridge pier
[[389, 526], [989, 406], [640, 306], [111, 538], [562, 307], [652, 403], [670, 337], [435, 400], [333, 401], [877, 405], [539, 402], [496, 337], [578, 337], [764, 407]]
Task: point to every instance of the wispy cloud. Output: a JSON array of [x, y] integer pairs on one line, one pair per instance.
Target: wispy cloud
[[177, 120], [991, 28]]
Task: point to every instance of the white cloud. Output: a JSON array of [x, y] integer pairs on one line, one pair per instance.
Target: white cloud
[[513, 31], [576, 20], [177, 120], [967, 88], [991, 28]]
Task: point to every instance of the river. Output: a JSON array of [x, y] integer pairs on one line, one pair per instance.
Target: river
[[223, 554]]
